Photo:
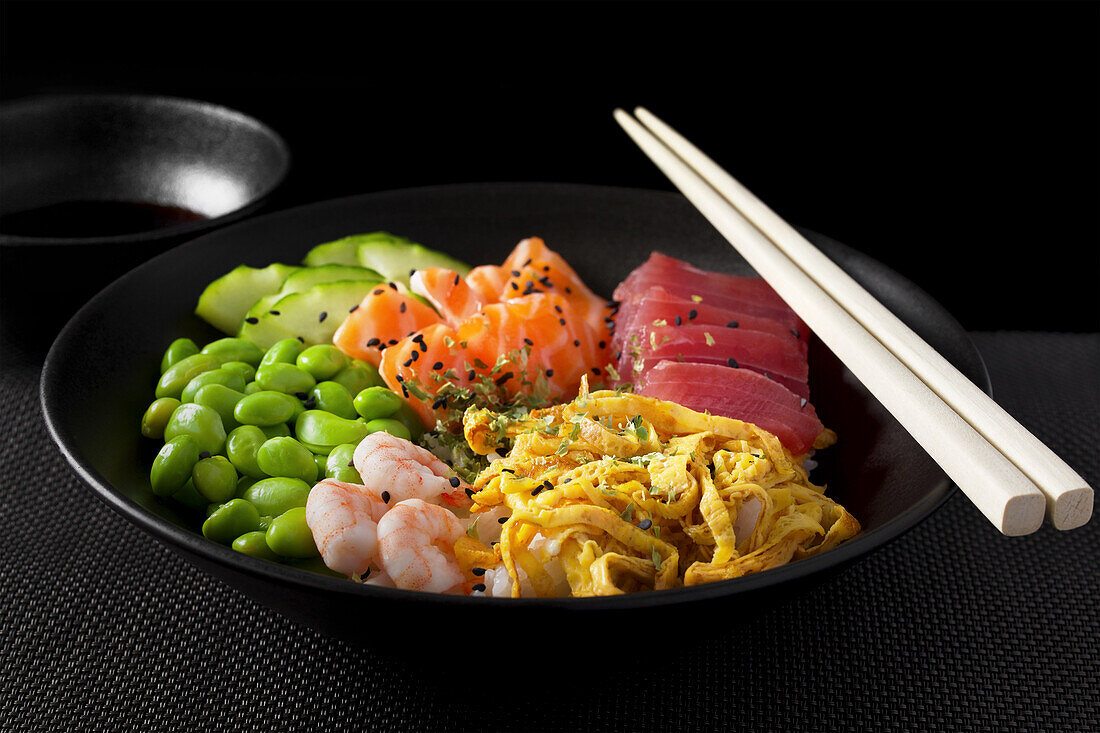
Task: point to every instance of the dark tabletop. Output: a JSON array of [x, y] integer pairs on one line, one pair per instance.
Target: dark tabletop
[[956, 143]]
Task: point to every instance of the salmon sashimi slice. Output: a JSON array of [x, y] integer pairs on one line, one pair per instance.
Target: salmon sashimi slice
[[488, 281], [774, 357], [553, 360], [532, 267], [448, 293], [741, 394], [382, 319]]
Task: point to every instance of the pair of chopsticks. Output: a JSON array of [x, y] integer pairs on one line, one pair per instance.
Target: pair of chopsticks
[[1009, 474]]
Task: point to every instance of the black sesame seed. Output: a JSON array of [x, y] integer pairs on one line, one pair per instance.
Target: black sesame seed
[[301, 339], [393, 286], [504, 378], [557, 308], [321, 318], [412, 272], [567, 480], [418, 338], [568, 290], [204, 454], [408, 363], [470, 493], [679, 321], [440, 403], [379, 291], [507, 470], [529, 342], [373, 342], [399, 378], [516, 273], [561, 321], [479, 587], [502, 520], [252, 320], [402, 307], [732, 324], [546, 268], [603, 344], [415, 355], [576, 342], [392, 342], [455, 481], [596, 370], [353, 308], [386, 496], [693, 314], [405, 391], [478, 571], [525, 264], [437, 366], [471, 375], [549, 373], [275, 313], [608, 319], [645, 524], [514, 286], [535, 491], [731, 362]]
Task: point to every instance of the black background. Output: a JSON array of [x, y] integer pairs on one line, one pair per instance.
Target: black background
[[959, 143]]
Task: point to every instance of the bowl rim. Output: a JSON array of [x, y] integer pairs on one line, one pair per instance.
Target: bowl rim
[[31, 103], [186, 541]]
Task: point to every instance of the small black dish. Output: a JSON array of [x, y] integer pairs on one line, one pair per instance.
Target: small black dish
[[93, 185], [100, 373]]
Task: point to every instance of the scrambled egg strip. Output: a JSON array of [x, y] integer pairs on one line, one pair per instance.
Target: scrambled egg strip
[[641, 494]]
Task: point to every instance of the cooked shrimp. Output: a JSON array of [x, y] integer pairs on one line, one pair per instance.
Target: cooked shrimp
[[404, 470], [416, 547], [343, 519]]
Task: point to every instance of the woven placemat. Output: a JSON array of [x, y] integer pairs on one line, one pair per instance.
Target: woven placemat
[[952, 625]]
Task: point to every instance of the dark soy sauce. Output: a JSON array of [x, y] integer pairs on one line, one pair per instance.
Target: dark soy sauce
[[79, 219]]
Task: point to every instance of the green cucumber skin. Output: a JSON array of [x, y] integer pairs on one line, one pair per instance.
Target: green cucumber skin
[[226, 301], [297, 315]]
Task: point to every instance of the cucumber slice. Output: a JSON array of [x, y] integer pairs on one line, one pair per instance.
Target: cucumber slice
[[346, 251], [224, 302], [395, 259], [300, 314], [307, 277], [262, 306]]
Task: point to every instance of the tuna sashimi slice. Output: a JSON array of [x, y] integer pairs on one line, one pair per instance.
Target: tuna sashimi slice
[[740, 394], [748, 295], [782, 359]]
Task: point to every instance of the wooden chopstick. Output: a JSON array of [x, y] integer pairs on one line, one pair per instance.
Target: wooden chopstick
[[1007, 497], [1069, 498]]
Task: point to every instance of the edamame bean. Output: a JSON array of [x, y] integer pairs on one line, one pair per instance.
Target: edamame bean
[[246, 370], [265, 521], [176, 377], [286, 457], [173, 464], [252, 388], [177, 351], [241, 447], [321, 462], [276, 495], [284, 378], [190, 497], [289, 535], [394, 427], [255, 545], [283, 352], [408, 417], [215, 478], [234, 349], [222, 400], [201, 423], [375, 402], [242, 485], [230, 520], [266, 408], [339, 464], [156, 417], [333, 397], [359, 375], [320, 428], [276, 431], [322, 361], [214, 376]]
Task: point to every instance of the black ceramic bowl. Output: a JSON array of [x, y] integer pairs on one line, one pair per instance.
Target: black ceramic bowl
[[100, 374], [190, 166]]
